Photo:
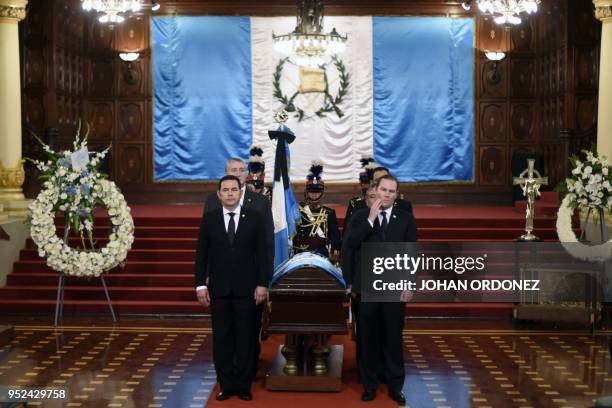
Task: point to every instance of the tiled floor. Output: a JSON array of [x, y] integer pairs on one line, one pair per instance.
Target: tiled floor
[[143, 363]]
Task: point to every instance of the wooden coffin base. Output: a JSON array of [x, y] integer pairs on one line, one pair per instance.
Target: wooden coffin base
[[306, 379]]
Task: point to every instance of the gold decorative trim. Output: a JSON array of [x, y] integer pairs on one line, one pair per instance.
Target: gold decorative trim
[[11, 178], [13, 12], [603, 10]]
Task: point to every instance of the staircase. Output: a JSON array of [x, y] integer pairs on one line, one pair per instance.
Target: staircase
[[158, 277]]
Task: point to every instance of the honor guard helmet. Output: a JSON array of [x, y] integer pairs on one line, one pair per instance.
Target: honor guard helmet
[[314, 181], [256, 167]]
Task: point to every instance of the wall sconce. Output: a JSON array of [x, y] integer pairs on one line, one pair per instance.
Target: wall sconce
[[132, 74], [467, 4], [493, 76]]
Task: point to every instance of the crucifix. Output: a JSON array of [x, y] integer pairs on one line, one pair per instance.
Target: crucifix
[[530, 181]]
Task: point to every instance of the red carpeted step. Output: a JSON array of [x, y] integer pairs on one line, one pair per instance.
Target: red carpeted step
[[151, 294], [149, 255], [542, 208], [112, 279], [160, 265], [146, 221], [101, 306], [140, 243], [130, 267], [551, 197], [482, 233], [149, 232]]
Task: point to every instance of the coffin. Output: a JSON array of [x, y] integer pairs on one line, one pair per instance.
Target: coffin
[[308, 296]]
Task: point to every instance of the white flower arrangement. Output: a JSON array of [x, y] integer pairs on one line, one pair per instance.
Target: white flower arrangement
[[75, 187], [588, 188]]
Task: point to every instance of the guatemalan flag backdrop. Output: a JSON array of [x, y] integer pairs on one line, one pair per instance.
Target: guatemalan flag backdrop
[[405, 87]]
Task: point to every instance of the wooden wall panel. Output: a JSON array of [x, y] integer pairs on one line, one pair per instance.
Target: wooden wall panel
[[493, 165], [100, 37], [522, 36], [522, 78], [586, 113], [35, 65], [133, 78], [492, 122], [101, 78], [522, 122], [131, 163], [101, 117], [35, 111], [131, 121], [492, 36], [587, 60], [488, 89], [132, 35]]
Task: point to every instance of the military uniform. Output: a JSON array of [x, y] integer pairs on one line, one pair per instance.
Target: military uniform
[[317, 231]]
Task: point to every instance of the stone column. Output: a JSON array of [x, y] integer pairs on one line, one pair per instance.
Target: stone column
[[603, 12], [12, 174]]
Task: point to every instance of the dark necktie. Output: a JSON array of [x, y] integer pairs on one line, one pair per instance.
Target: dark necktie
[[231, 228], [383, 224]]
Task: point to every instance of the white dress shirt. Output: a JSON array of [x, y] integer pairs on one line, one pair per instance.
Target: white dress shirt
[[226, 219], [387, 211], [242, 194]]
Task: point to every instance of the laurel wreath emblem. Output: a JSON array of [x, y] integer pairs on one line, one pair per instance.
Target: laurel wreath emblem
[[331, 103]]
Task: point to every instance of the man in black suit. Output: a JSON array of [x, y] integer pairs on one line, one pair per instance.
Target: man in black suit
[[235, 166], [359, 203], [380, 324], [231, 256]]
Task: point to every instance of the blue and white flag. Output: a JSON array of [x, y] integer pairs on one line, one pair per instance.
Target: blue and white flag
[[404, 89], [285, 211]]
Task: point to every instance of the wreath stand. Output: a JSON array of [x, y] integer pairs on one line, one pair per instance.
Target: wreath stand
[[602, 225], [606, 307], [532, 310], [59, 302]]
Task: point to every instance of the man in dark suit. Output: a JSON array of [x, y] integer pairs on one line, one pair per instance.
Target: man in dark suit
[[235, 166], [359, 203], [231, 257], [380, 324]]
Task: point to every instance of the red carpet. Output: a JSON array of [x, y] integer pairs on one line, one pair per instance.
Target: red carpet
[[158, 276], [349, 396]]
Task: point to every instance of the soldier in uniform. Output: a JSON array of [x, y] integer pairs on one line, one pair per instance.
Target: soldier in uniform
[[318, 228], [257, 172], [365, 180]]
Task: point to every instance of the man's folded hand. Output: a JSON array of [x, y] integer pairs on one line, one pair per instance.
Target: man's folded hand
[[204, 297], [261, 294]]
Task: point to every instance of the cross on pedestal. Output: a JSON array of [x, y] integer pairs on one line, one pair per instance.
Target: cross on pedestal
[[530, 181]]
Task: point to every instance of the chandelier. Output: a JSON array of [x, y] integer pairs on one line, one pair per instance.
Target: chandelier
[[111, 10], [307, 45], [505, 12]]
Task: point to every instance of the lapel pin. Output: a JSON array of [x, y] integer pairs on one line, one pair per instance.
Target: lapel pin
[[242, 215], [394, 216]]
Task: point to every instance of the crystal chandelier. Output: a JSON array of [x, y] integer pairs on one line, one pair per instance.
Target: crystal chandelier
[[307, 45], [111, 10], [505, 12]]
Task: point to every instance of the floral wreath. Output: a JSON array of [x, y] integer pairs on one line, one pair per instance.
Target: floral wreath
[[570, 242], [75, 187], [331, 102], [588, 187]]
